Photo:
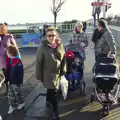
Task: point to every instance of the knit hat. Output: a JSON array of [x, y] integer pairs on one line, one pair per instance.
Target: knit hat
[[69, 54]]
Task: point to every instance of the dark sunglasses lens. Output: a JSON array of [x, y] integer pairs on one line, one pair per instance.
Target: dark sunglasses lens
[[51, 36]]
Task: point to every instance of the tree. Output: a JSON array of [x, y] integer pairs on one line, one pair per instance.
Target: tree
[[56, 7]]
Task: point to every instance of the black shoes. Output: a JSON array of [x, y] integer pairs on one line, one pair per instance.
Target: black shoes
[[48, 104], [55, 117]]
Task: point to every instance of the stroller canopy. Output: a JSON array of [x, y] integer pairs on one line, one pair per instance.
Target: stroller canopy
[[76, 48], [106, 66]]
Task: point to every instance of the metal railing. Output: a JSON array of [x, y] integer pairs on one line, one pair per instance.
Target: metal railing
[[118, 53]]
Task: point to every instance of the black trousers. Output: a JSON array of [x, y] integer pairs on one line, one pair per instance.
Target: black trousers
[[52, 97]]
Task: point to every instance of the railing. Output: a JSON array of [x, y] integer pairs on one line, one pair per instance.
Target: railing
[[118, 53]]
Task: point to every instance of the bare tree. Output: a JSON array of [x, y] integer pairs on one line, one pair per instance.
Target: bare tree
[[56, 7]]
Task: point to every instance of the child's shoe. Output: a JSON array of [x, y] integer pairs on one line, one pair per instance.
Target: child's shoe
[[11, 110], [20, 106]]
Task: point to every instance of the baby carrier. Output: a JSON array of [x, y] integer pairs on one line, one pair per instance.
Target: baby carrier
[[75, 56]]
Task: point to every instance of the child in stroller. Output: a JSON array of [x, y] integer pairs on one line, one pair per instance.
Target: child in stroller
[[75, 56], [106, 82]]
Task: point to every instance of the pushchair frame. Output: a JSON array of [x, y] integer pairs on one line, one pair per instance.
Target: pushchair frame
[[78, 49], [95, 95]]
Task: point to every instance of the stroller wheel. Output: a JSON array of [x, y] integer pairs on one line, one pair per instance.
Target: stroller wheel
[[83, 89], [92, 99], [106, 110], [118, 100]]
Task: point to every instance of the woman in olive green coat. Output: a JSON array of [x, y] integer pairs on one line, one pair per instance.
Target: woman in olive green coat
[[50, 65]]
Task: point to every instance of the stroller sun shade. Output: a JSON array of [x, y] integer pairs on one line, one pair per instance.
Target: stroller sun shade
[[106, 66], [105, 69], [105, 60], [73, 48]]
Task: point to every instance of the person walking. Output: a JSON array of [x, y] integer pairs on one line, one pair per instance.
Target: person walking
[[5, 40], [105, 45], [84, 26], [50, 66], [78, 36], [97, 35], [15, 74]]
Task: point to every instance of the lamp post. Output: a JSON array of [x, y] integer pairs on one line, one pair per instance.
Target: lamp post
[[94, 15], [104, 8]]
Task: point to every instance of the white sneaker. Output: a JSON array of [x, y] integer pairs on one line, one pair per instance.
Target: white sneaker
[[11, 109], [20, 106], [0, 118]]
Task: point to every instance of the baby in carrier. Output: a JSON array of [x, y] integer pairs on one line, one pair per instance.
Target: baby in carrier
[[76, 71]]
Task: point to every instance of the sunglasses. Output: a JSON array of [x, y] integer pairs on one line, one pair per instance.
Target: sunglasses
[[51, 36]]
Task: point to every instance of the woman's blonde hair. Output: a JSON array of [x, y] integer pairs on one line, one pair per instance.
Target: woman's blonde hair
[[3, 29], [78, 24]]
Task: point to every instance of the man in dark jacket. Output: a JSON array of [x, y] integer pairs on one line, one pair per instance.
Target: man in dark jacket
[[84, 26]]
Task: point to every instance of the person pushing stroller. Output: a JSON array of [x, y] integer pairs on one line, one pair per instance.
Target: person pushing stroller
[[105, 46], [78, 36]]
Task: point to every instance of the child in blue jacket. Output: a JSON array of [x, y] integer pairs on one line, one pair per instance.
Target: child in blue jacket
[[14, 74]]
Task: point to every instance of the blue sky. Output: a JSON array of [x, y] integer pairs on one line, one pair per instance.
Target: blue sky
[[22, 11]]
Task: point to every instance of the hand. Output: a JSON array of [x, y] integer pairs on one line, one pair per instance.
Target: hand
[[113, 56], [82, 44]]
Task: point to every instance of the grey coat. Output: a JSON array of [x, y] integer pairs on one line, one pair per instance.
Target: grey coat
[[106, 43]]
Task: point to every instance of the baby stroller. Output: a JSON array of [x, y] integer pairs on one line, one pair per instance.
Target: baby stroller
[[106, 82], [75, 56]]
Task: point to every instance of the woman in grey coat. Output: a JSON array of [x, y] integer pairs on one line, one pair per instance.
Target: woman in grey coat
[[106, 44]]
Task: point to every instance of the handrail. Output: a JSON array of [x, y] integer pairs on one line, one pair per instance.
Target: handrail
[[118, 53]]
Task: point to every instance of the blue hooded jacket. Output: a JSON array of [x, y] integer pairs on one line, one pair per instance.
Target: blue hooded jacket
[[16, 71]]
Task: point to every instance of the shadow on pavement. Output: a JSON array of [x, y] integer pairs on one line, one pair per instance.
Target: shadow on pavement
[[16, 115]]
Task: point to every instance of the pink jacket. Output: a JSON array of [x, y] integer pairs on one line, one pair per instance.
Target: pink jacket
[[7, 39]]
